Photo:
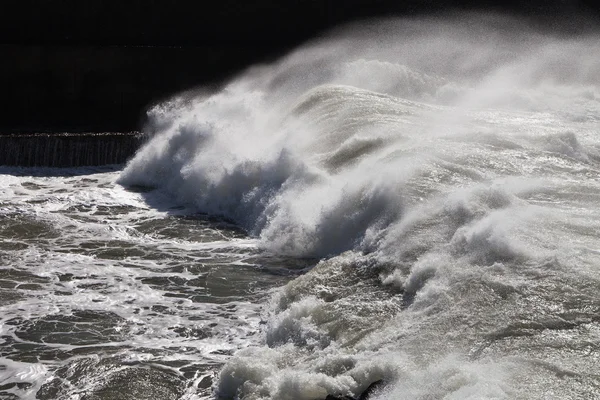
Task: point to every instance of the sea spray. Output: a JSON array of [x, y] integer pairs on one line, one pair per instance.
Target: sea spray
[[445, 173]]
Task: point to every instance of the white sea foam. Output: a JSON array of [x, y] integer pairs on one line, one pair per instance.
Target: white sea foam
[[445, 173], [98, 281]]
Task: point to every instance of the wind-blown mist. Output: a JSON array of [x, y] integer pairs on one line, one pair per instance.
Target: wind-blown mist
[[446, 173]]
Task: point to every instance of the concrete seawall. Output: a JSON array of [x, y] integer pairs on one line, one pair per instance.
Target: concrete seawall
[[68, 150]]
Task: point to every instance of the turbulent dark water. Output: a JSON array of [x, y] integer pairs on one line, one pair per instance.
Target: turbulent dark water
[[110, 293], [410, 201]]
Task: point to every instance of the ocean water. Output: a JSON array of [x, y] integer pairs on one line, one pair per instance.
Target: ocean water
[[411, 202]]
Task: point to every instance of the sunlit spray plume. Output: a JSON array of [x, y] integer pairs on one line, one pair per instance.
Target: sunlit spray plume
[[419, 155], [283, 147]]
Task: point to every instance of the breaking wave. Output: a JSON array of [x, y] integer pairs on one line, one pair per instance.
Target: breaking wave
[[446, 173]]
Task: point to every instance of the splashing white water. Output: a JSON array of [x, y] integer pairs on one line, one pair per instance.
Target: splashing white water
[[450, 168]]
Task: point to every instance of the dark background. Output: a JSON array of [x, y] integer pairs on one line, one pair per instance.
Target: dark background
[[96, 65]]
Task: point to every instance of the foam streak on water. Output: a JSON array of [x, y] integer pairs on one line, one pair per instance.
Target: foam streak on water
[[107, 292], [444, 173]]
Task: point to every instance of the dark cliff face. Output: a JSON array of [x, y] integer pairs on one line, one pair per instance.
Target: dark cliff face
[[96, 65]]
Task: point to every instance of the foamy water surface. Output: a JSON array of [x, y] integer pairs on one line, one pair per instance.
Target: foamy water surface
[[412, 203]]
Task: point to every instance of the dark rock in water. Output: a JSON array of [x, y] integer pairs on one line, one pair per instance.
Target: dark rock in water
[[68, 150], [364, 395]]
